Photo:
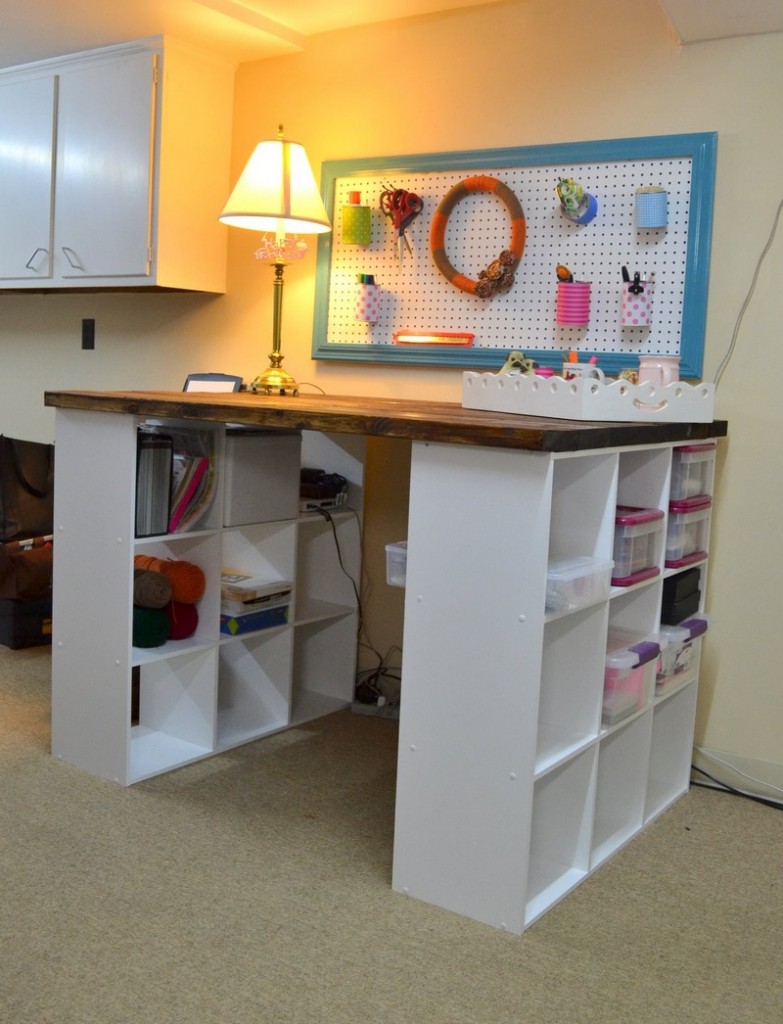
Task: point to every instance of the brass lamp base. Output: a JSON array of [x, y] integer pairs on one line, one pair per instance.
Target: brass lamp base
[[275, 380]]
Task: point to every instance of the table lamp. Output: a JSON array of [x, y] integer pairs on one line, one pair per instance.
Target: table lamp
[[277, 194]]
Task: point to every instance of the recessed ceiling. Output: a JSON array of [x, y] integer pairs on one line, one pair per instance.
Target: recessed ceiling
[[241, 30], [697, 21]]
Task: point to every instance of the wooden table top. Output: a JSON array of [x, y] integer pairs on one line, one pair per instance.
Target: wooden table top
[[445, 422]]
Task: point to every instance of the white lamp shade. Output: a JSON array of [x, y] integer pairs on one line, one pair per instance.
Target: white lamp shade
[[277, 192]]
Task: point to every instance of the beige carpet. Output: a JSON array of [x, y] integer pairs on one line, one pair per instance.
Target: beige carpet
[[255, 887]]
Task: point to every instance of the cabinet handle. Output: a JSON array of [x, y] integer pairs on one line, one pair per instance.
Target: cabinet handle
[[29, 264], [72, 258]]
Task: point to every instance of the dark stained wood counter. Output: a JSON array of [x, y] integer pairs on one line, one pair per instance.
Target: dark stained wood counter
[[445, 422]]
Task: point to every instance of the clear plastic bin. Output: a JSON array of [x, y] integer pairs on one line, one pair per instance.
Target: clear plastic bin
[[396, 563], [692, 471], [576, 582], [629, 678], [687, 532], [637, 544], [680, 646]]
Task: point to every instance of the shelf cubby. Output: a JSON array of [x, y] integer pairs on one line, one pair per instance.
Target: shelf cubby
[[671, 750], [560, 832], [254, 686], [623, 758], [176, 713], [569, 710]]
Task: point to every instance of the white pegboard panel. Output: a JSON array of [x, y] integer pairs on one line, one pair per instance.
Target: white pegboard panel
[[415, 296]]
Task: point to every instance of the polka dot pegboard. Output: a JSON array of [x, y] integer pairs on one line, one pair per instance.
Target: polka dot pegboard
[[413, 295]]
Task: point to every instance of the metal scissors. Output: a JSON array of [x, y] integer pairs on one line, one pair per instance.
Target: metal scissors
[[401, 207]]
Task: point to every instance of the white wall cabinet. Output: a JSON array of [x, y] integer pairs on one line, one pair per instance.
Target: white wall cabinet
[[510, 789], [211, 692], [114, 166]]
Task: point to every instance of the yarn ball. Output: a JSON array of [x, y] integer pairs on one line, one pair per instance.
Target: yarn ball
[[150, 627], [151, 589], [183, 620], [188, 582]]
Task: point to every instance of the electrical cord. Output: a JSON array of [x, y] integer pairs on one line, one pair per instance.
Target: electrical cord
[[725, 361], [367, 688], [726, 788]]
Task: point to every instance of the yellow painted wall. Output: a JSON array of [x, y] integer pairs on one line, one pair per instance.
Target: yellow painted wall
[[517, 73]]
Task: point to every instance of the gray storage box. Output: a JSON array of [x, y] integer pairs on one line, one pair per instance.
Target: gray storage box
[[261, 476]]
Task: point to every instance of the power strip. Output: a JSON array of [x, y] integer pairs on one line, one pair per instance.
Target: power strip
[[391, 711]]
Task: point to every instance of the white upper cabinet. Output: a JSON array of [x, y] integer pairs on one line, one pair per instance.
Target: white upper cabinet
[[27, 112], [115, 165]]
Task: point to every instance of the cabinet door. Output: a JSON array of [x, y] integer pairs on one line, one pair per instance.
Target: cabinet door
[[26, 151], [105, 150]]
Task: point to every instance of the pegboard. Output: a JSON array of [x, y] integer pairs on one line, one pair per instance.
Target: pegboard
[[415, 296]]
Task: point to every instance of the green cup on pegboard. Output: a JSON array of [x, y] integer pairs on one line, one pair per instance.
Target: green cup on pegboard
[[356, 221]]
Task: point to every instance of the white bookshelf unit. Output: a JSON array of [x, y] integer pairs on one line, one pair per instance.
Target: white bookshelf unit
[[511, 786], [511, 791], [199, 696]]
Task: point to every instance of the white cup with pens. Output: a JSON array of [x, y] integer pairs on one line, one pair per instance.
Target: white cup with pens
[[582, 371]]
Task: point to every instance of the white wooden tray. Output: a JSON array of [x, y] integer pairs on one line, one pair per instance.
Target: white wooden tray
[[588, 399]]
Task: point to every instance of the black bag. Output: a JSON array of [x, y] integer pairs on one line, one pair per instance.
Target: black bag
[[26, 489]]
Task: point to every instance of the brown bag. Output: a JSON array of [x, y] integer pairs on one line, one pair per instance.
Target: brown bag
[[26, 569], [26, 489]]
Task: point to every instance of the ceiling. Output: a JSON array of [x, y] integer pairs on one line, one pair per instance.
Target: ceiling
[[242, 30]]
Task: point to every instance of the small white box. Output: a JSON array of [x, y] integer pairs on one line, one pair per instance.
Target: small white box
[[261, 476], [396, 563]]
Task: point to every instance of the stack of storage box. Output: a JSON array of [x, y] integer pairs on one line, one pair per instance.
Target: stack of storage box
[[637, 536], [690, 504]]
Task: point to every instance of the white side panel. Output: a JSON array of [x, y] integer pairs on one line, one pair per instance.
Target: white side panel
[[95, 457], [474, 618]]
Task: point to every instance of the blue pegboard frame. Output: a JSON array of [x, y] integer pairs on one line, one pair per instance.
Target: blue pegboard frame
[[418, 297]]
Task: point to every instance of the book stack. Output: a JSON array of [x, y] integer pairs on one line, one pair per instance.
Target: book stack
[[175, 480], [154, 452], [249, 603]]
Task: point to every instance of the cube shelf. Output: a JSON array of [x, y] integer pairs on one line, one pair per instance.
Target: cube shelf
[[211, 691], [500, 816]]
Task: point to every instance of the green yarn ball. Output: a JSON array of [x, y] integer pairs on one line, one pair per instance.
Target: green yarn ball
[[150, 627]]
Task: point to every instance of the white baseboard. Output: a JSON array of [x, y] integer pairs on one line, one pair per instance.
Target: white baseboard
[[757, 778]]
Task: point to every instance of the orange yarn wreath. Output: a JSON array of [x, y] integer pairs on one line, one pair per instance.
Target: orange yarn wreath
[[499, 274]]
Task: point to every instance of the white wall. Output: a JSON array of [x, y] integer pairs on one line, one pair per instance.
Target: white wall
[[503, 75]]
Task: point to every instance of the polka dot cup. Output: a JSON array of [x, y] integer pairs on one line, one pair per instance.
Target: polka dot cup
[[636, 309], [368, 303]]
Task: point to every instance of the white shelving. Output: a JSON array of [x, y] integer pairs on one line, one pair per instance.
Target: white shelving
[[128, 713], [500, 814]]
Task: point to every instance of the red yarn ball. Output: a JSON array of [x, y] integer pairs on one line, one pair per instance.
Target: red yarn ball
[[183, 620]]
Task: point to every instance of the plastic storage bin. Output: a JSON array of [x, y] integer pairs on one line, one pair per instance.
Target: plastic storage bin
[[637, 544], [680, 646], [396, 563], [687, 532], [576, 582], [692, 472], [629, 678]]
